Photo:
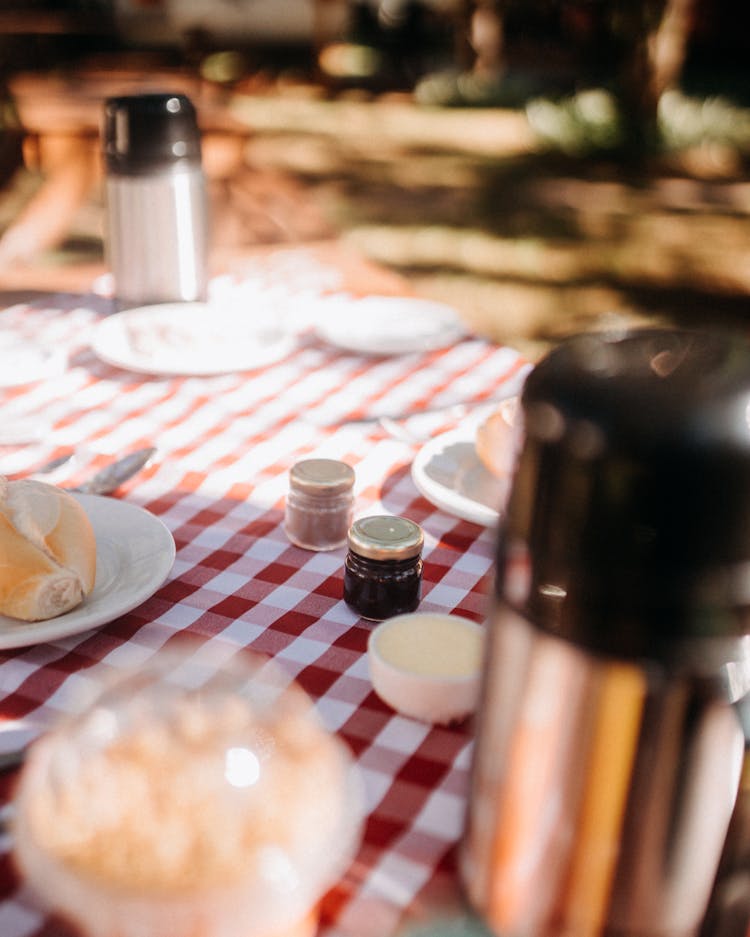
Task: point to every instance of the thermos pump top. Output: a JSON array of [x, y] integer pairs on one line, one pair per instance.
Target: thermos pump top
[[610, 742], [156, 237]]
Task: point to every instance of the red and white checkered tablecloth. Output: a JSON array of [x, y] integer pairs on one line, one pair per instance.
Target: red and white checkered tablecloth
[[219, 479]]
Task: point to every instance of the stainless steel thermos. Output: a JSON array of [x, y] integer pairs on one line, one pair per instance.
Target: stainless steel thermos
[[156, 237], [610, 742]]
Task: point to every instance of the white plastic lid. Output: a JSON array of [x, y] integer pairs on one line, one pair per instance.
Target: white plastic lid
[[184, 792]]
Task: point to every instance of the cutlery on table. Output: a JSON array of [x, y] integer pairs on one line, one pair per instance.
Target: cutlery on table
[[12, 759], [47, 468], [453, 410], [394, 425], [102, 482], [109, 478]]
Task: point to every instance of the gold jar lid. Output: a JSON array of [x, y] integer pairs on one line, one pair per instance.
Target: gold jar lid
[[384, 537], [322, 477]]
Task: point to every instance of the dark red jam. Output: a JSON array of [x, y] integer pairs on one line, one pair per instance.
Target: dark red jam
[[383, 568], [379, 589]]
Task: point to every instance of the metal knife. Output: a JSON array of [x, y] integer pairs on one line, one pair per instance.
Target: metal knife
[[109, 478], [9, 761]]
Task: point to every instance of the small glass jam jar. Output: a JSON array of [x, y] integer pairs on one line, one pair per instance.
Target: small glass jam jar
[[319, 504], [383, 569]]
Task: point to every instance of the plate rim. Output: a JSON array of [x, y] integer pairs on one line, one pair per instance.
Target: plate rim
[[447, 334], [26, 634], [456, 504], [108, 327], [51, 367]]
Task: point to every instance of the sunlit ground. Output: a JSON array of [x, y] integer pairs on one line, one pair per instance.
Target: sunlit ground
[[528, 244]]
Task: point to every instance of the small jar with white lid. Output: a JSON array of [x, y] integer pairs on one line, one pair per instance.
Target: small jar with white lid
[[319, 503]]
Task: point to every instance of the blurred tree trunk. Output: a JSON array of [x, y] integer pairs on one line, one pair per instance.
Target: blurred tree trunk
[[653, 36], [638, 45], [486, 35]]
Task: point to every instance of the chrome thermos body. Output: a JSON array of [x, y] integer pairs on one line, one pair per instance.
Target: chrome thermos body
[[611, 741], [156, 214]]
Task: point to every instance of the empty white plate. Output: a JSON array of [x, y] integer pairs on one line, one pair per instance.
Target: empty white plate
[[388, 325], [194, 339], [25, 362]]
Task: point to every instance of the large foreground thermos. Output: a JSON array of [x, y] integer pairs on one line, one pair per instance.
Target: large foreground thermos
[[610, 739], [156, 237]]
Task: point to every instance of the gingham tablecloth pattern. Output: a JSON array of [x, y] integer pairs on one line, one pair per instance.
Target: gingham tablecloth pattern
[[225, 446]]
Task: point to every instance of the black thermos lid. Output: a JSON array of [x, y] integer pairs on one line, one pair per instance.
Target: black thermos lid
[[628, 525], [145, 133]]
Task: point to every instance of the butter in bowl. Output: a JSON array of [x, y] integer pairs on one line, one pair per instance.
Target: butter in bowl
[[427, 665]]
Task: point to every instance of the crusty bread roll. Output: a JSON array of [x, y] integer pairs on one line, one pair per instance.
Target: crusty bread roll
[[496, 439], [47, 550]]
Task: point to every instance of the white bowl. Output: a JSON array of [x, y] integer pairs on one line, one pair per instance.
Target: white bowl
[[427, 665]]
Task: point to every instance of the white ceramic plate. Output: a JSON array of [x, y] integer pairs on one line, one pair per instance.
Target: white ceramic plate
[[134, 553], [194, 339], [25, 362], [388, 325], [447, 471]]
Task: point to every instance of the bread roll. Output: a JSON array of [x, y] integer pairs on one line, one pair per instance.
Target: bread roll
[[497, 439], [47, 550]]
